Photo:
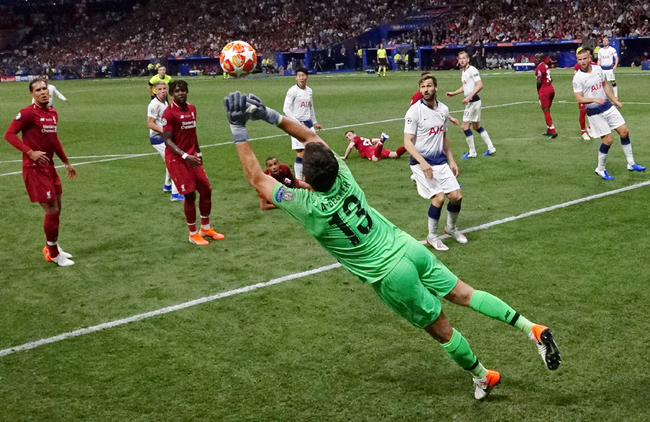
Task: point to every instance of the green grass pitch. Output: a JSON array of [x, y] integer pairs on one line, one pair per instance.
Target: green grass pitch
[[323, 347]]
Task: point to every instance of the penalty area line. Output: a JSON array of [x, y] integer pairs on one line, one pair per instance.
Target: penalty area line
[[245, 289]]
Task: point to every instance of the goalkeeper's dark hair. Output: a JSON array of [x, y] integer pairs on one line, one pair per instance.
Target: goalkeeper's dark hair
[[178, 84], [319, 166]]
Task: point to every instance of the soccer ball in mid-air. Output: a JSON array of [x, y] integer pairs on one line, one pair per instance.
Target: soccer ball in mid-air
[[238, 59]]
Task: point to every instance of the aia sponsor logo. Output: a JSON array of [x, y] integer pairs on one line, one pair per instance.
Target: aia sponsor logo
[[436, 130], [305, 104], [596, 87]]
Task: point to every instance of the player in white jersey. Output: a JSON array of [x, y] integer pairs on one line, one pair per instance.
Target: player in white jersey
[[155, 124], [472, 84], [53, 92], [432, 163], [589, 88], [299, 105], [608, 61]]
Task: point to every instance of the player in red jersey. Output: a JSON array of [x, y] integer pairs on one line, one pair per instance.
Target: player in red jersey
[[585, 130], [371, 148], [38, 124], [545, 92], [184, 162], [282, 174]]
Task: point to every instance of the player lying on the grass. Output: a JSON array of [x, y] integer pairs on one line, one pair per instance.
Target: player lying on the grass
[[281, 173], [589, 88], [405, 275], [371, 148], [38, 124]]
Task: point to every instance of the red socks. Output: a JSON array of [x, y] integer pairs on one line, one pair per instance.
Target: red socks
[[51, 228], [549, 121]]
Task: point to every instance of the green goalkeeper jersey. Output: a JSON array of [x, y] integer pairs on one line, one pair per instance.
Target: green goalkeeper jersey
[[359, 237]]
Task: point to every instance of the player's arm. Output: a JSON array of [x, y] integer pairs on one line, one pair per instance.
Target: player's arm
[[347, 151], [288, 102], [446, 148], [581, 99], [266, 205], [610, 94], [58, 150], [168, 137], [312, 116], [451, 94], [409, 144], [11, 135], [61, 96], [478, 85], [539, 82], [302, 185], [453, 120], [615, 61], [151, 124]]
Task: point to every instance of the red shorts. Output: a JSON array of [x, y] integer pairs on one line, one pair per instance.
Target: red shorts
[[186, 178], [42, 183], [370, 152], [545, 98], [582, 106]]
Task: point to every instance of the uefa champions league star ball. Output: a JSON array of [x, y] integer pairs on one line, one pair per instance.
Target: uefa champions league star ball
[[238, 59]]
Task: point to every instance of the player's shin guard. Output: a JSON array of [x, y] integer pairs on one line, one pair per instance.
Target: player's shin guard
[[205, 207], [486, 138], [378, 149], [615, 89], [602, 156], [492, 306], [549, 121], [51, 228], [453, 209], [459, 351], [627, 149], [297, 168], [190, 215], [400, 151], [469, 137], [433, 217]]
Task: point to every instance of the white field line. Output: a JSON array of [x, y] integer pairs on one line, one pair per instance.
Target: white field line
[[125, 156], [115, 323]]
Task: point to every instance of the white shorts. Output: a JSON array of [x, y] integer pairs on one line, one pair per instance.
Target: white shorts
[[602, 124], [443, 181], [160, 148], [472, 112], [609, 75], [296, 144]]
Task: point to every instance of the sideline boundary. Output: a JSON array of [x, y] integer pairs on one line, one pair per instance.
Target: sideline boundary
[[245, 289]]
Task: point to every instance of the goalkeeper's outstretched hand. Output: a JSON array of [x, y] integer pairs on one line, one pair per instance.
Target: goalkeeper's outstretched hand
[[235, 104], [257, 110]]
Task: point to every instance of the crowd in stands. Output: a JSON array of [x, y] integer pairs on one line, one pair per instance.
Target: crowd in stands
[[85, 39]]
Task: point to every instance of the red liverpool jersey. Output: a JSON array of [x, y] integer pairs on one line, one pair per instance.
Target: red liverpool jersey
[[38, 125], [182, 123], [542, 72]]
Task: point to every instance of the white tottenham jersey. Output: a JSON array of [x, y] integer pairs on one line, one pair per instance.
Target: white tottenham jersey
[[155, 110], [469, 77], [299, 105], [591, 86], [606, 56], [429, 127]]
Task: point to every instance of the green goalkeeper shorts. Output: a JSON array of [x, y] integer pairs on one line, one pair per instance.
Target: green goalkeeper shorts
[[413, 287]]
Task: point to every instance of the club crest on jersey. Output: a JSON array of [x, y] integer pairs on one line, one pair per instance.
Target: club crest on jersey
[[164, 122], [436, 129]]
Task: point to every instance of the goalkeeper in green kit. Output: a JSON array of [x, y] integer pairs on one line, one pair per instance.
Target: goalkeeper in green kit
[[406, 276]]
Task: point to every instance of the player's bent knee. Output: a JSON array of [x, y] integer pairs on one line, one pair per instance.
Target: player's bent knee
[[456, 195], [440, 329]]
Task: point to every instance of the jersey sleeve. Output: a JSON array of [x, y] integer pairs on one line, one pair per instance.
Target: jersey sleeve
[[167, 120], [151, 110], [288, 101], [292, 201], [22, 120], [411, 122], [475, 75], [577, 85]]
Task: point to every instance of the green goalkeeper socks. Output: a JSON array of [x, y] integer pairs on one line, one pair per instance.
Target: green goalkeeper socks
[[494, 307], [458, 349]]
